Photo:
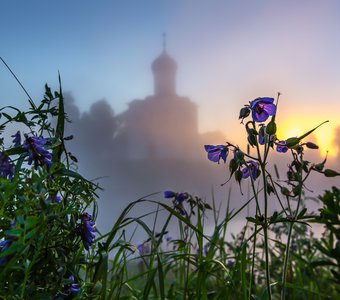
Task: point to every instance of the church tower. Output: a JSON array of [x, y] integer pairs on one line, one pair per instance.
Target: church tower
[[164, 70], [163, 125]]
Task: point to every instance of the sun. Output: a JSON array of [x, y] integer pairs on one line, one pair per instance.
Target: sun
[[323, 136]]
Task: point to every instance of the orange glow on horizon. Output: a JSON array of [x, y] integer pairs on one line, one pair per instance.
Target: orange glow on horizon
[[322, 136]]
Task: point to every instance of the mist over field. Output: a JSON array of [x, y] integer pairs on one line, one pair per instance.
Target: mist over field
[[174, 149], [130, 162], [138, 132]]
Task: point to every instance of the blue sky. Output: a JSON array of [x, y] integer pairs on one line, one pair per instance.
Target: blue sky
[[228, 53]]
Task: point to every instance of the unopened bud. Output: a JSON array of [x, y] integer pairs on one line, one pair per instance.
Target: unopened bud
[[285, 191], [292, 142], [238, 175], [244, 112], [271, 128], [331, 173], [311, 145]]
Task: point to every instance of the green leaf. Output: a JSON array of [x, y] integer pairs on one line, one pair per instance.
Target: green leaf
[[60, 125], [13, 232], [161, 278], [302, 213], [30, 222]]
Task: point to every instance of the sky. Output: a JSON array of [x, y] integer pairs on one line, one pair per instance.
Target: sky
[[228, 53]]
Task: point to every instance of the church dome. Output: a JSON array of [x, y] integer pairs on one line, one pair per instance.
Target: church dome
[[164, 63]]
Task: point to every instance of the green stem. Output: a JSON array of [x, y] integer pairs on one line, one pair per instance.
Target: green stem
[[265, 229], [285, 264], [287, 252], [252, 264]]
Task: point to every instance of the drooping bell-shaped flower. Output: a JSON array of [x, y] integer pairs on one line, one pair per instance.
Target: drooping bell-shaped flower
[[215, 153], [281, 147], [262, 108], [251, 169]]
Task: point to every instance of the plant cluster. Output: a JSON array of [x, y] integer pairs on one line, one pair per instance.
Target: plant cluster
[[44, 226], [50, 248], [261, 135]]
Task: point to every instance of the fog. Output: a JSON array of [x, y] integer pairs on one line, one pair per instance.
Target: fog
[[155, 146]]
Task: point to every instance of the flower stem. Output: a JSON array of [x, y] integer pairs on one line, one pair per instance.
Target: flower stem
[[285, 264], [265, 228], [287, 252]]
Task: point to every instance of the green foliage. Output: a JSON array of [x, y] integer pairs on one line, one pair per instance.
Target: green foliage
[[329, 244], [44, 225], [41, 208]]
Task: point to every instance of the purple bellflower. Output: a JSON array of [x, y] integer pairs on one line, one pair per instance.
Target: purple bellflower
[[263, 136], [86, 230], [215, 153], [37, 152], [4, 246], [281, 147], [68, 288], [262, 108], [17, 139], [74, 287], [169, 194], [251, 168], [57, 199], [6, 167], [178, 200]]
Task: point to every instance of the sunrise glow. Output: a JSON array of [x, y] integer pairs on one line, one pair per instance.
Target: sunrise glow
[[323, 136]]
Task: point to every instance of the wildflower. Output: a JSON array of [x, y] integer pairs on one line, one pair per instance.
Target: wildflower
[[251, 168], [263, 136], [262, 108], [143, 248], [5, 245], [17, 139], [57, 198], [86, 230], [230, 264], [169, 194], [74, 287], [181, 197], [281, 147], [6, 167], [68, 288], [178, 200], [215, 153], [36, 151]]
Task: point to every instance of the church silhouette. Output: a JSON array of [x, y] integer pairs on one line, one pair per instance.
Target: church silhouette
[[163, 125], [152, 146]]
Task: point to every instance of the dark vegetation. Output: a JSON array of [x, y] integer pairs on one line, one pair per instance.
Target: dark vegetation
[[50, 249]]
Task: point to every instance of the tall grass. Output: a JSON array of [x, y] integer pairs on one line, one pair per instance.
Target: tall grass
[[48, 248]]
